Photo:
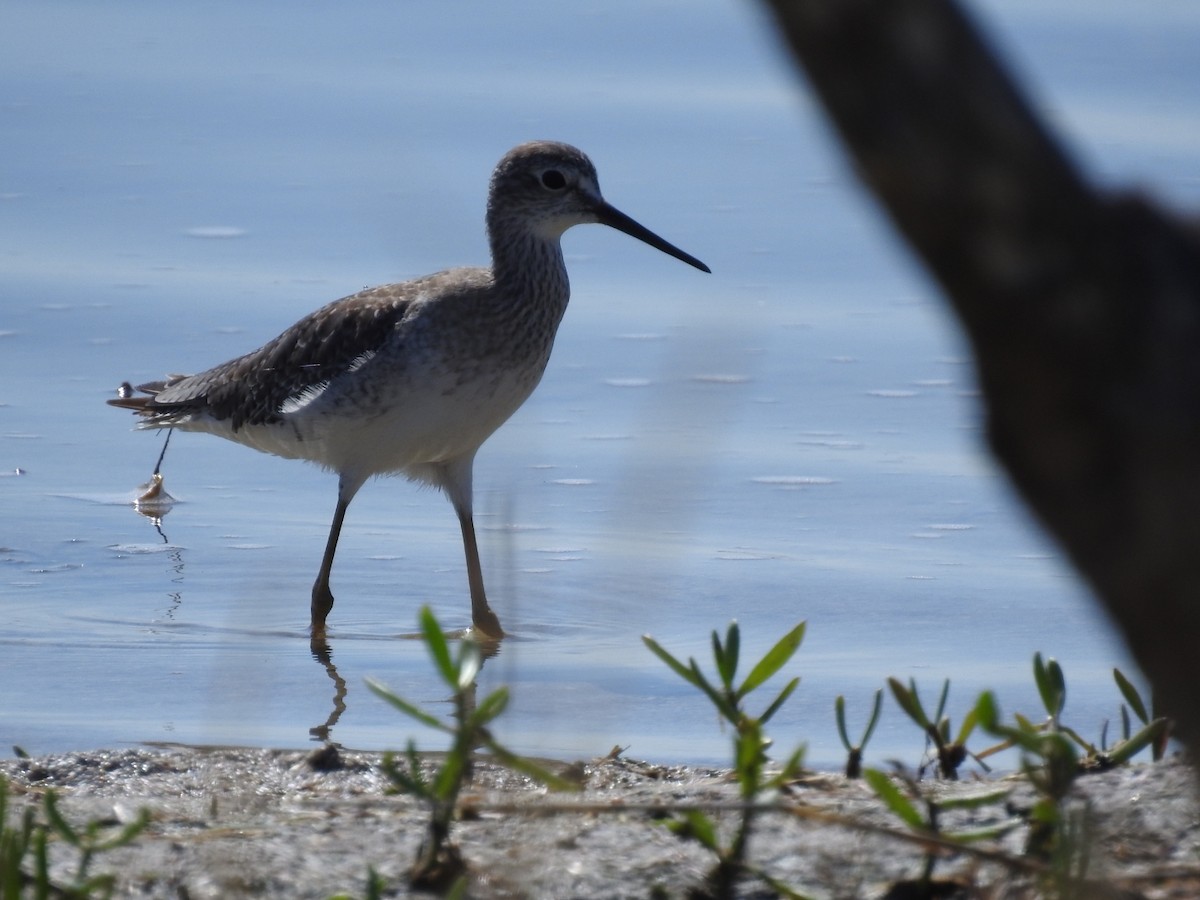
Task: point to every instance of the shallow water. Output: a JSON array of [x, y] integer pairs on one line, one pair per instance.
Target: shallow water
[[795, 437]]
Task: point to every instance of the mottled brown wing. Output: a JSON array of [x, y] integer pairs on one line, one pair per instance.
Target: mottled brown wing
[[251, 389]]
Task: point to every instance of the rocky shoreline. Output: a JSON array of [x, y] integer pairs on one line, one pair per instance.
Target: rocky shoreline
[[231, 822]]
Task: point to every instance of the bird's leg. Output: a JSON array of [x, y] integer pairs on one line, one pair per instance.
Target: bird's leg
[[482, 617], [455, 480], [322, 597]]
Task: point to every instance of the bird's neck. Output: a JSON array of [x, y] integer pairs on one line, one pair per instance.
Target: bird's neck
[[529, 269]]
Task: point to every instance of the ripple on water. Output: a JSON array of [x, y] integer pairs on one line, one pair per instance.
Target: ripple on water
[[140, 549], [718, 378], [830, 443], [627, 382], [793, 480], [743, 554], [217, 232]]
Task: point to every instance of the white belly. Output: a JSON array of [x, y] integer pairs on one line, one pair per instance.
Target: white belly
[[385, 419]]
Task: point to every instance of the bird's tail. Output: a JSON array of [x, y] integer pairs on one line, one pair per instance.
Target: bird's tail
[[144, 406]]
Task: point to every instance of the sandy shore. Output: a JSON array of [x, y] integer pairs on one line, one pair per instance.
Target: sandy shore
[[233, 822]]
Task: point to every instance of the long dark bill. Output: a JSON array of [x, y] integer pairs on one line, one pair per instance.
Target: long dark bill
[[614, 218]]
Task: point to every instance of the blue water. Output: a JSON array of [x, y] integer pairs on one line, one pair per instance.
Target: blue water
[[796, 436]]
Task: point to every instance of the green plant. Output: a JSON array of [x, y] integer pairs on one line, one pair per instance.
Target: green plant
[[750, 745], [1052, 757], [1162, 734], [1052, 689], [855, 751], [375, 887], [16, 842], [30, 838], [1050, 761], [951, 753], [439, 865], [929, 821]]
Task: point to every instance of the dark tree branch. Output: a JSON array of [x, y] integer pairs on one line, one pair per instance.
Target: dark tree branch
[[1083, 308]]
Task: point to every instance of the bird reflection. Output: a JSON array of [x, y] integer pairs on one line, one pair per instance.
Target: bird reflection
[[323, 653], [321, 650]]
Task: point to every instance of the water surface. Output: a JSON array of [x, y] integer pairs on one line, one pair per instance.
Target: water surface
[[795, 437]]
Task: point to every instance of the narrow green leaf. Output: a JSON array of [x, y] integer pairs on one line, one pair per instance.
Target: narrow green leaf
[[414, 760], [60, 825], [41, 864], [839, 708], [528, 767], [1146, 736], [1087, 746], [697, 826], [718, 652], [1042, 681], [126, 834], [1048, 676], [874, 720], [376, 884], [749, 756], [435, 643], [1027, 726], [986, 832], [1131, 695], [489, 707], [942, 698], [792, 768], [970, 720], [411, 781], [405, 707], [975, 801], [404, 783], [1026, 735], [676, 666], [733, 648], [909, 701], [460, 890], [1059, 682], [886, 791], [723, 703], [779, 701], [774, 660], [726, 655], [986, 711], [449, 777]]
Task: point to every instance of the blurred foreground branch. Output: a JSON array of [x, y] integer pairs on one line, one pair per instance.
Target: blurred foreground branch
[[1083, 307]]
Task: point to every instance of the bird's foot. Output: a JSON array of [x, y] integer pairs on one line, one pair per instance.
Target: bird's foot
[[486, 622]]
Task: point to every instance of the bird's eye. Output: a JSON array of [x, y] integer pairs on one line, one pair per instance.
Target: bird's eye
[[554, 180]]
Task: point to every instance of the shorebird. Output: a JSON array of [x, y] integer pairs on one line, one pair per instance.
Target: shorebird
[[411, 378]]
